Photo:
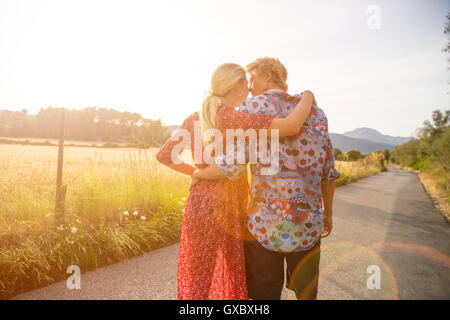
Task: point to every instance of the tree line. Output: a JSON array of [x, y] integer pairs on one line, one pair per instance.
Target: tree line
[[355, 154], [89, 124], [433, 144]]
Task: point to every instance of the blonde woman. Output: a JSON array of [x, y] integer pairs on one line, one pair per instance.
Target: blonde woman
[[211, 256]]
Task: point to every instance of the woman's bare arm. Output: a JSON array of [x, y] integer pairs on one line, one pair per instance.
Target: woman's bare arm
[[292, 124]]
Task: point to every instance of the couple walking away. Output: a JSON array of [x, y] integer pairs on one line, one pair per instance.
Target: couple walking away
[[234, 244]]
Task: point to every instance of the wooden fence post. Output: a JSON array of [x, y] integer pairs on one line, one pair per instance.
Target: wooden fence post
[[60, 189]]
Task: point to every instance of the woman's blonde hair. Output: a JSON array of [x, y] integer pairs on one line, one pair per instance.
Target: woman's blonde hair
[[223, 80]]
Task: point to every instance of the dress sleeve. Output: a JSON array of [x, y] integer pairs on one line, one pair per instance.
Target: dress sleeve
[[232, 119], [164, 154], [330, 173]]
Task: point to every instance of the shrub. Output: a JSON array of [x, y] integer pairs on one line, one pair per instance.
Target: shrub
[[337, 152], [353, 155]]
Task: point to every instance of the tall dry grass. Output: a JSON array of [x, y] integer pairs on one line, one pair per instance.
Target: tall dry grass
[[354, 170], [120, 203]]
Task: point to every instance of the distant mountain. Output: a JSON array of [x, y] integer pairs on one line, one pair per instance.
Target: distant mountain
[[375, 136], [345, 143]]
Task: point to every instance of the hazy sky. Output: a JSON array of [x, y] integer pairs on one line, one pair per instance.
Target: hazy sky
[[157, 57]]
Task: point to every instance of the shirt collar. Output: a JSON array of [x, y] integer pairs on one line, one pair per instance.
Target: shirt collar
[[274, 91]]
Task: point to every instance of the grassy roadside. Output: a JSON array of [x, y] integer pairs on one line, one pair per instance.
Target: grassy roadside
[[120, 203], [439, 197]]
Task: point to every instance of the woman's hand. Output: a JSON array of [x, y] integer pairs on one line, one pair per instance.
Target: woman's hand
[[314, 102]]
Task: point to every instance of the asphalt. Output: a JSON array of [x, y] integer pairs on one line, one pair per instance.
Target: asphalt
[[385, 223]]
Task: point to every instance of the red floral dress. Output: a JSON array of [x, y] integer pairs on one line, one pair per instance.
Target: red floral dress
[[211, 261]]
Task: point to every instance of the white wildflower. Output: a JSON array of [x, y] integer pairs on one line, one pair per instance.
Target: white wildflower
[[74, 229], [135, 213], [125, 213], [184, 199], [143, 218]]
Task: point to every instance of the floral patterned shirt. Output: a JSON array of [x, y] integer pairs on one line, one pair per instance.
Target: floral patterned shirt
[[285, 212]]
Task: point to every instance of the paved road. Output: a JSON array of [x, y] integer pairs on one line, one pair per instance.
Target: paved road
[[386, 221]]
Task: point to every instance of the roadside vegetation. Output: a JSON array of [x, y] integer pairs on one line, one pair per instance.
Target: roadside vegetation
[[353, 165], [120, 203]]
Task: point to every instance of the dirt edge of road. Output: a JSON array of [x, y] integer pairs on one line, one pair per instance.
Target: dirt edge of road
[[435, 194]]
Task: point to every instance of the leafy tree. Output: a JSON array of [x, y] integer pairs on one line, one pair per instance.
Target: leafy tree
[[440, 121], [406, 154], [337, 152], [432, 133], [353, 155], [387, 154]]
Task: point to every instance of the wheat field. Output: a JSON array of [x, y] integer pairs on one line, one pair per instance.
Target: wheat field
[[119, 203]]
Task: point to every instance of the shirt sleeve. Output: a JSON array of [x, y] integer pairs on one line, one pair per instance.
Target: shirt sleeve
[[330, 173], [164, 154]]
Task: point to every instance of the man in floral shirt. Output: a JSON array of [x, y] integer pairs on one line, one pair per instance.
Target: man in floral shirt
[[291, 210]]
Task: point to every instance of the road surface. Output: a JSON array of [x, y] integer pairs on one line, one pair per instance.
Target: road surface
[[388, 242]]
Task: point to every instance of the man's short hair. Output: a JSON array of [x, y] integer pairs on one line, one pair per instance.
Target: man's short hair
[[273, 66]]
